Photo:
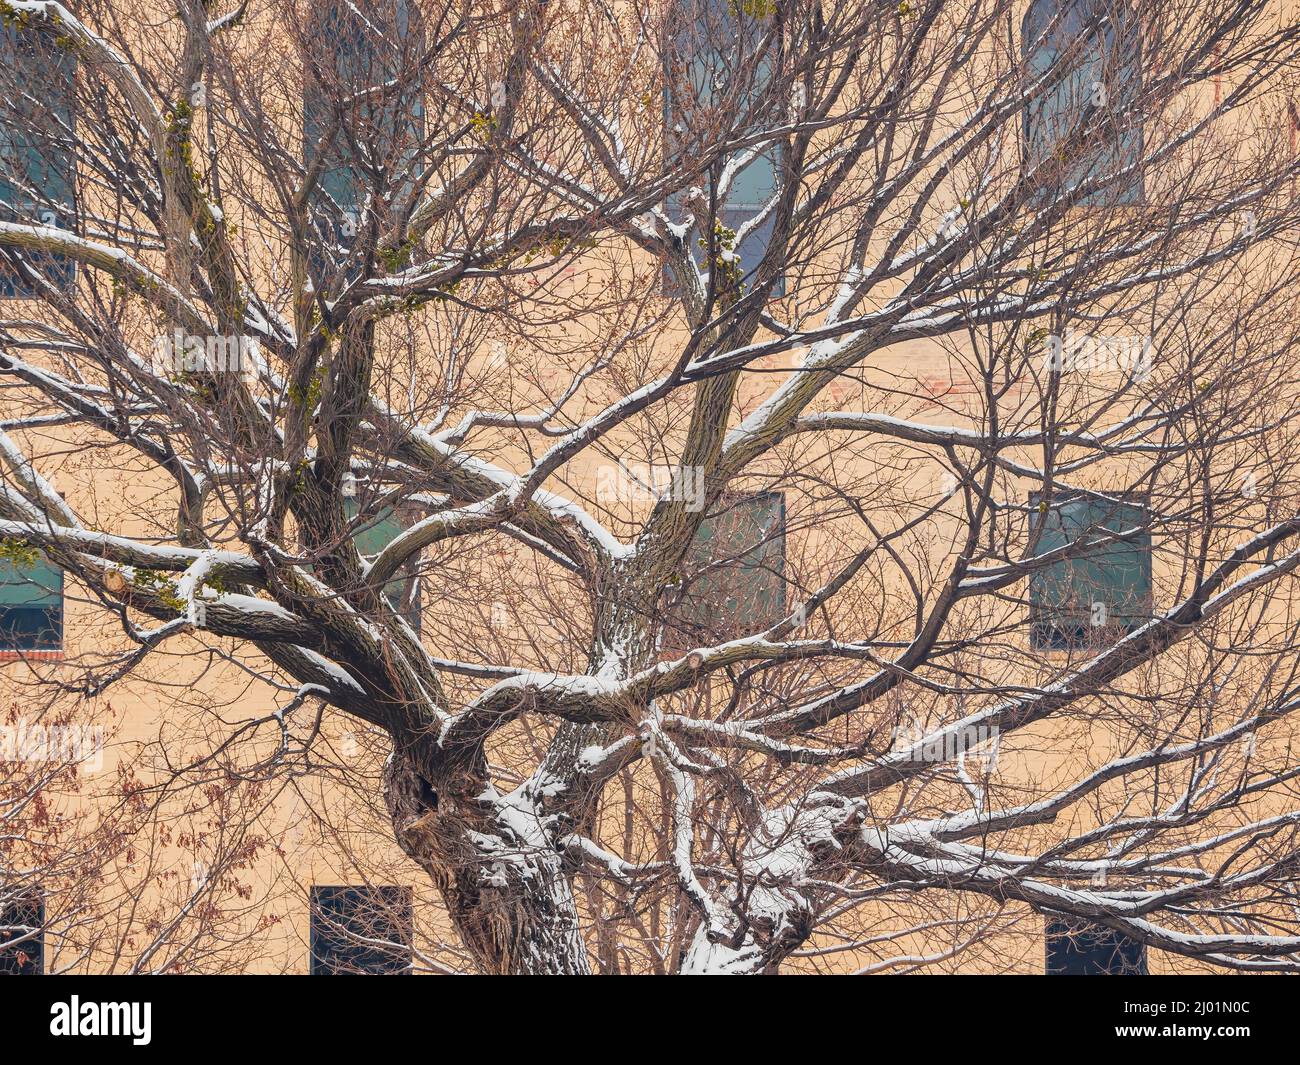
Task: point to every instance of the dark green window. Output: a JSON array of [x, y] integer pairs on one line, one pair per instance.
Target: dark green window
[[1079, 948], [374, 534], [36, 148], [733, 578], [1090, 53], [22, 937], [1103, 592], [361, 931], [712, 40], [372, 149], [31, 602]]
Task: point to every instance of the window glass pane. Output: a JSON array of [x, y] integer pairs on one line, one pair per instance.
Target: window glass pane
[[375, 534], [22, 921], [1097, 596], [1091, 54], [753, 245], [734, 575], [37, 168], [1076, 948], [31, 602], [712, 40], [364, 46], [754, 185], [361, 930], [29, 579]]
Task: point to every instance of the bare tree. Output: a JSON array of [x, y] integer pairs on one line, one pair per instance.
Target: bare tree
[[700, 440]]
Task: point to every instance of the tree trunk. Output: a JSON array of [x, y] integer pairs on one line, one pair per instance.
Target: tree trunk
[[501, 878]]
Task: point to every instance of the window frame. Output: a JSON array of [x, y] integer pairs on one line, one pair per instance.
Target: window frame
[[320, 963], [1116, 151], [33, 948], [681, 633], [408, 575], [1075, 960], [37, 46], [53, 609], [677, 28], [1093, 637], [324, 263]]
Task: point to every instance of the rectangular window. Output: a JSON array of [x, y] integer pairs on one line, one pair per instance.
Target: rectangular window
[[31, 602], [37, 162], [710, 69], [361, 930], [22, 937], [1078, 948], [1088, 54], [1100, 594], [368, 140], [733, 578], [376, 533]]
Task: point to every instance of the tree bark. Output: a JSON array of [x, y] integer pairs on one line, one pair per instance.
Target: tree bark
[[502, 880]]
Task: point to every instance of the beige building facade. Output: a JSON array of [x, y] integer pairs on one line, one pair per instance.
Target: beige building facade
[[179, 800]]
